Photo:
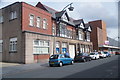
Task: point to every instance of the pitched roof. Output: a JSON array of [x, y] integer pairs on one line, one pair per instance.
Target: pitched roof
[[56, 13], [77, 22]]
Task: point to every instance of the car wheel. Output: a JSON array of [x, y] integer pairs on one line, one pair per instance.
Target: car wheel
[[50, 65], [90, 59], [72, 62], [60, 64], [84, 60]]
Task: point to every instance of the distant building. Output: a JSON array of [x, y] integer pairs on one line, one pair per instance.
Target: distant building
[[99, 37]]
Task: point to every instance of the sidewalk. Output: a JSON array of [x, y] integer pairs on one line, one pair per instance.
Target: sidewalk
[[9, 68]]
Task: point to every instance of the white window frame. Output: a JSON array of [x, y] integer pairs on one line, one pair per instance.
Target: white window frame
[[1, 19], [39, 48], [13, 44], [31, 20], [38, 22], [1, 45], [45, 24], [13, 15]]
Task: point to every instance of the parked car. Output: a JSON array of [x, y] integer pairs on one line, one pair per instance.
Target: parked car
[[60, 60], [94, 55], [82, 57], [107, 54], [102, 54], [117, 53]]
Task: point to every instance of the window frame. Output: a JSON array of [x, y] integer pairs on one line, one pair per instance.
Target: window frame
[[45, 23], [31, 24], [13, 44], [40, 47], [38, 22]]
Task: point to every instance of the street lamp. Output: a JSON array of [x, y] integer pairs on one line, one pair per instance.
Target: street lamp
[[70, 8], [58, 21]]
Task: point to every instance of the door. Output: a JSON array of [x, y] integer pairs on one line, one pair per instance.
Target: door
[[72, 51]]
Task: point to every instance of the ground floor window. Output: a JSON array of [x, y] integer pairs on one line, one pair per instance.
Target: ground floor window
[[13, 44], [57, 47], [64, 47], [1, 42], [40, 47]]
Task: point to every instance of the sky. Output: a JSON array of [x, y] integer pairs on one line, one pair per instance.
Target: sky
[[89, 10]]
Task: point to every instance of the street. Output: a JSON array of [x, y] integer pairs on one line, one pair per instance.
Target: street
[[101, 68]]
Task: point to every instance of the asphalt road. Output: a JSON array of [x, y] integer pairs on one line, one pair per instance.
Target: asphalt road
[[102, 68]]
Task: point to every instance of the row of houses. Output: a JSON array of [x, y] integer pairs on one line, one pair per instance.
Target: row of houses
[[32, 33]]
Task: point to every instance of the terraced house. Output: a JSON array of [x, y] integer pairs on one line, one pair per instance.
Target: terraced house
[[32, 33]]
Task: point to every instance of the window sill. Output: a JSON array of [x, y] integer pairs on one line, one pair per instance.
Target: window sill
[[12, 51], [12, 19]]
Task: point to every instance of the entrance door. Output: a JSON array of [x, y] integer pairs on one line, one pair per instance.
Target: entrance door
[[72, 51]]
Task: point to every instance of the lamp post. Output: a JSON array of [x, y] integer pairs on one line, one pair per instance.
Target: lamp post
[[58, 22]]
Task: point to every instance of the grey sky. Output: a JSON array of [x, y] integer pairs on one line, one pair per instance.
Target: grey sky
[[87, 10]]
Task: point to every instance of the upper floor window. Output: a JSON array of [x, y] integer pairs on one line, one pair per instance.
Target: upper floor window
[[1, 19], [45, 23], [31, 23], [13, 44], [1, 45], [80, 34], [13, 15], [38, 22], [53, 29], [88, 36]]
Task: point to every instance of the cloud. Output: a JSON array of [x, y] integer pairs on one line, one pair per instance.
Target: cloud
[[90, 11]]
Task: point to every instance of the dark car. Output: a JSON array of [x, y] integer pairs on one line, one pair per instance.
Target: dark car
[[60, 60], [82, 57], [107, 54]]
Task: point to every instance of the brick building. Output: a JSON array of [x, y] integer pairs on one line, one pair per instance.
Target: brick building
[[33, 33]]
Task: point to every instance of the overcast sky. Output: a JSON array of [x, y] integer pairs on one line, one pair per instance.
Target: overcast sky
[[89, 10]]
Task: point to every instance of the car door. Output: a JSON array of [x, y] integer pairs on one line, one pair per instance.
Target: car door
[[63, 59], [68, 59]]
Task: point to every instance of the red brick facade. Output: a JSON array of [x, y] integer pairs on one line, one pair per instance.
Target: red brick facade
[[27, 10]]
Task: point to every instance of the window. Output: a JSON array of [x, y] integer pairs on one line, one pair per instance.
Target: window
[[63, 30], [31, 20], [1, 19], [1, 43], [64, 47], [38, 22], [13, 15], [80, 34], [40, 47], [13, 44], [88, 36], [53, 29], [57, 47], [45, 24]]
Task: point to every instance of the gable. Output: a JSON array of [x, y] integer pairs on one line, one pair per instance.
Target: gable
[[65, 17], [81, 26], [89, 28]]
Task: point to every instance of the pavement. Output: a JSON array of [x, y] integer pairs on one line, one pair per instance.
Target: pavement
[[8, 68]]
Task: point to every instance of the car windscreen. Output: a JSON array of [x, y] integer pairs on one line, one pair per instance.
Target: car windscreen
[[92, 53], [81, 54], [54, 57], [105, 52]]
